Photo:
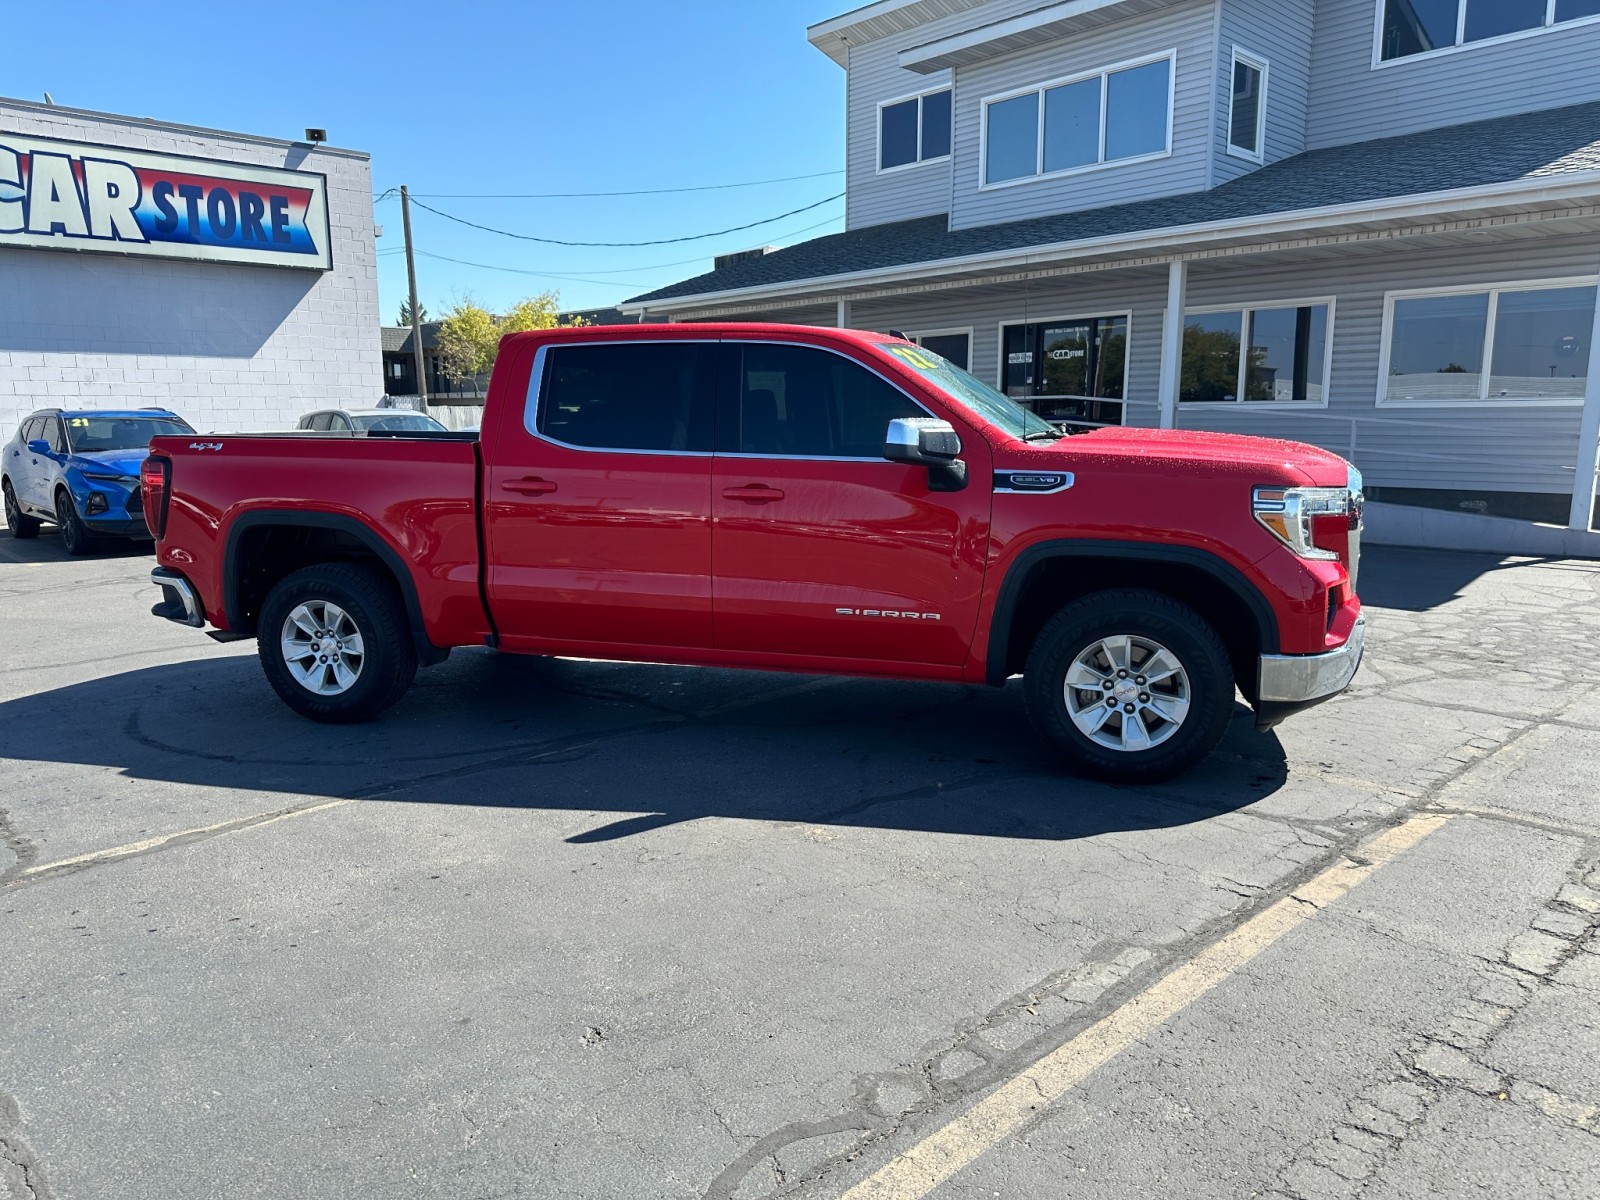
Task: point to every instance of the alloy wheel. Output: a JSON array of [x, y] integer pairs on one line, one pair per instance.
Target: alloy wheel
[[322, 648], [1127, 693]]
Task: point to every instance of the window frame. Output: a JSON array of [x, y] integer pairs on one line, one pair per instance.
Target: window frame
[[533, 405], [1550, 25], [968, 331], [1259, 61], [1495, 291], [741, 455], [1247, 310], [1039, 89], [1039, 323], [919, 161]]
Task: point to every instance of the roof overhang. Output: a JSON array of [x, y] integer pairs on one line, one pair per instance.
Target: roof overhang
[[835, 36], [1048, 23], [1574, 195]]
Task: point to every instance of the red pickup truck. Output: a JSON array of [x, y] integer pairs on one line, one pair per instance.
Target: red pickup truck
[[781, 498]]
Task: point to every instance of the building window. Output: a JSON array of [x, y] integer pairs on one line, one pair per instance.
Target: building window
[[1247, 112], [1287, 363], [1072, 369], [914, 130], [397, 369], [1410, 27], [652, 396], [1520, 344], [952, 345], [1115, 115]]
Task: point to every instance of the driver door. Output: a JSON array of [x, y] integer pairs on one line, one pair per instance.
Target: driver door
[[822, 547]]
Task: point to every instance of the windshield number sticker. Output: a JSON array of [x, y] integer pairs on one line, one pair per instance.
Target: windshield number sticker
[[914, 355]]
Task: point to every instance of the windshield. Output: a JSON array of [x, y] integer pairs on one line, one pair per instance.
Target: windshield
[[399, 423], [90, 435], [972, 394]]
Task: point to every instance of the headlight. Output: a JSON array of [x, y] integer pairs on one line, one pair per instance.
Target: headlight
[[1291, 514]]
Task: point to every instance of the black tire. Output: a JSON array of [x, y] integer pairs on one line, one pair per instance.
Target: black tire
[[75, 536], [21, 525], [388, 662], [1149, 618]]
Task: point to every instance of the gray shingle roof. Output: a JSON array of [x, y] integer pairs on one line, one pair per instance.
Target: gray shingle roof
[[1531, 146], [397, 338]]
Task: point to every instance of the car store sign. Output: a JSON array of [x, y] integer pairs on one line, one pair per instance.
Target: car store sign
[[68, 196]]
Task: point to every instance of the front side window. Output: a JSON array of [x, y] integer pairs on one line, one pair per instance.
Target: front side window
[[1493, 344], [1247, 113], [1111, 116], [1411, 27], [53, 435], [399, 423], [642, 396], [1074, 369], [915, 130], [1257, 355], [802, 402]]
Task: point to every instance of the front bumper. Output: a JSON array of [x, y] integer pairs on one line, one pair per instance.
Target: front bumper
[[1291, 683]]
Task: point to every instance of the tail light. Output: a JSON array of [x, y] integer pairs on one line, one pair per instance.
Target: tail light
[[155, 475]]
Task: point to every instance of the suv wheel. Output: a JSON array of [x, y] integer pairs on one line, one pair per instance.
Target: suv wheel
[[1130, 686], [20, 524], [75, 536], [335, 643]]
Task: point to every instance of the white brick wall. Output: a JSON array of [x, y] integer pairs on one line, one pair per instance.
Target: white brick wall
[[231, 348]]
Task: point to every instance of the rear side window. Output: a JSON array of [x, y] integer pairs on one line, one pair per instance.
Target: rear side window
[[320, 422], [801, 402], [652, 396]]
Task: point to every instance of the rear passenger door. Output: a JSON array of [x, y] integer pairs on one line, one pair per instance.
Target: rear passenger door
[[597, 500], [19, 466], [824, 548]]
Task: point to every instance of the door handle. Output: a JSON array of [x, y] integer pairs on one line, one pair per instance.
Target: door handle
[[753, 493], [531, 486]]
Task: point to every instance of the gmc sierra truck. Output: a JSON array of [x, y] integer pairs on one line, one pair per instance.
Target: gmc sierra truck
[[781, 498]]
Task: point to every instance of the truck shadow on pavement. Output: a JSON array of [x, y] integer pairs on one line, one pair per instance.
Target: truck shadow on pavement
[[636, 747]]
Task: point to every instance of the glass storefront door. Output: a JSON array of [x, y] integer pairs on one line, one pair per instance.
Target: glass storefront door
[[1069, 370]]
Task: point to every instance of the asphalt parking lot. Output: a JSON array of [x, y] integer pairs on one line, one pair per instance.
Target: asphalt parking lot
[[576, 929]]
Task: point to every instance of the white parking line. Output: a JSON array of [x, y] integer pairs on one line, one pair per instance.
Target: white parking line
[[97, 857], [984, 1126]]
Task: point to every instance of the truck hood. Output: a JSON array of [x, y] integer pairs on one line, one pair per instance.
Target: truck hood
[[1276, 460]]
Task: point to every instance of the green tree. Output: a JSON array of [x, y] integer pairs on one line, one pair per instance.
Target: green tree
[[405, 313], [469, 334], [1210, 364]]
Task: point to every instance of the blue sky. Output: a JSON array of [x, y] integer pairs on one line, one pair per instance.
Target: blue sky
[[605, 95]]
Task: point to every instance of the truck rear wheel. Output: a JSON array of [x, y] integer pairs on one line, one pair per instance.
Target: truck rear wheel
[[335, 644], [1129, 686]]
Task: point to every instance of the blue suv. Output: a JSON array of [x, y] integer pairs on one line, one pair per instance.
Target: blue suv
[[80, 470]]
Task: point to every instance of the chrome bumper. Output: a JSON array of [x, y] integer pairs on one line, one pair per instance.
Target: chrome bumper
[[1306, 678], [178, 601]]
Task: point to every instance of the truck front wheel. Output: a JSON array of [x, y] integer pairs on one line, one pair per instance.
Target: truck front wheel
[[1129, 686], [335, 644]]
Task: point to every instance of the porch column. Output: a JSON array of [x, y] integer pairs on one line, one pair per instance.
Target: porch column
[[844, 315], [1588, 438], [1172, 341]]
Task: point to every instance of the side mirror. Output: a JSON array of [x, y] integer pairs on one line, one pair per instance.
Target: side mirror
[[923, 441], [39, 446], [928, 442]]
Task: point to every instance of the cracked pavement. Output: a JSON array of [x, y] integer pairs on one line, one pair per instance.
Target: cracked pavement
[[588, 929]]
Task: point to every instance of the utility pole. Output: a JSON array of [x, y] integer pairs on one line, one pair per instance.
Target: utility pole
[[416, 320]]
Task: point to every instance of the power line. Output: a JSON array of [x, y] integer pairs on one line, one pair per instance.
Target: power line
[[621, 283], [642, 270], [697, 237], [708, 187]]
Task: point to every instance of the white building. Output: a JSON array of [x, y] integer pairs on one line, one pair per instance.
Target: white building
[[1369, 224], [230, 278]]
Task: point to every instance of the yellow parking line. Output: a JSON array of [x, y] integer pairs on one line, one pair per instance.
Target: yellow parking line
[[97, 857], [939, 1156]]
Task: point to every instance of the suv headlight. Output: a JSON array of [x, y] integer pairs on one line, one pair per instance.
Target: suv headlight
[[1291, 514]]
